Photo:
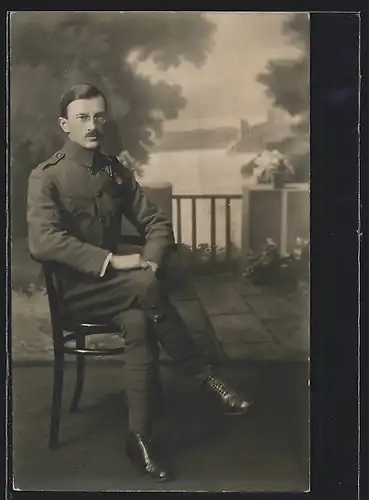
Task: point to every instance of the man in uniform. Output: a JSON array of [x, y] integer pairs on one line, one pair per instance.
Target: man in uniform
[[76, 200]]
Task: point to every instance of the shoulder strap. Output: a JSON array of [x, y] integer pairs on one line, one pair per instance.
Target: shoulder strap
[[53, 160]]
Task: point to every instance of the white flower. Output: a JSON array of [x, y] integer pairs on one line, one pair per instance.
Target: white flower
[[269, 161]]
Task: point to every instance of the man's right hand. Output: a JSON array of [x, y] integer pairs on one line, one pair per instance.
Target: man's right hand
[[127, 262]]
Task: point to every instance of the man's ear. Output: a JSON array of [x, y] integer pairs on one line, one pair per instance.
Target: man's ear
[[63, 122]]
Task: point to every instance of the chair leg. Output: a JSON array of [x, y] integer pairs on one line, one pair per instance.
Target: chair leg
[[80, 344], [56, 401], [79, 383]]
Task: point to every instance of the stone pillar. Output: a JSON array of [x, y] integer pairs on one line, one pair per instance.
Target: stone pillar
[[280, 214], [245, 225]]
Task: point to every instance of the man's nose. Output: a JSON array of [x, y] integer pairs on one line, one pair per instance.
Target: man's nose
[[91, 124]]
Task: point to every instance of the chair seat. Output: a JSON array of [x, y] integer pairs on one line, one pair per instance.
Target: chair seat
[[101, 345], [89, 327]]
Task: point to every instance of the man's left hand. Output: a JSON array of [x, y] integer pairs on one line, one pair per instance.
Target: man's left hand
[[153, 265]]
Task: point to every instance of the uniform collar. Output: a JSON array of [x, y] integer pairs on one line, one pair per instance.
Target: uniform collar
[[81, 155]]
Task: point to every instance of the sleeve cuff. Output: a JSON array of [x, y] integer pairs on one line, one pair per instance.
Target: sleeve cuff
[[105, 265]]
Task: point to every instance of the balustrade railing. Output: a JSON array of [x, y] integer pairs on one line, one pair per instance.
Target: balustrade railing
[[213, 199]]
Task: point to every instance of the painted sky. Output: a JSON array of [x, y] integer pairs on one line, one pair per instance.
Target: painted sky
[[225, 88]]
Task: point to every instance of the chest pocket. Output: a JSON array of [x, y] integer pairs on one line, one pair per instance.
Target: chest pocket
[[78, 206], [111, 201], [113, 204], [80, 215]]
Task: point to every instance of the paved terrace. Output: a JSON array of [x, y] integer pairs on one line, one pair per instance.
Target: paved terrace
[[244, 322], [230, 319]]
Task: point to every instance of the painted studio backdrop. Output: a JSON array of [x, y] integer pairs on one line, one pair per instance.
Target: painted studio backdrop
[[213, 111]]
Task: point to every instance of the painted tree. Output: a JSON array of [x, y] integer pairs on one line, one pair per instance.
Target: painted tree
[[50, 51], [287, 83]]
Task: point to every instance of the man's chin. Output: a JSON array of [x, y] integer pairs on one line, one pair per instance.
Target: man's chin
[[92, 144]]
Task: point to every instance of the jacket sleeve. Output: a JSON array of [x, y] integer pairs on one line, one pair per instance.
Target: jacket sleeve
[[47, 240], [151, 222]]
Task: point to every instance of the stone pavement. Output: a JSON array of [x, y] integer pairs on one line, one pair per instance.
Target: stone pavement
[[248, 322], [231, 321], [229, 318], [265, 450]]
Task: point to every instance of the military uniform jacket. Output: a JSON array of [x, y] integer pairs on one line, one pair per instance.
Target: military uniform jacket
[[76, 200]]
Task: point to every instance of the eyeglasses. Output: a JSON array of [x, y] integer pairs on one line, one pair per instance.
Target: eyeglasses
[[99, 119]]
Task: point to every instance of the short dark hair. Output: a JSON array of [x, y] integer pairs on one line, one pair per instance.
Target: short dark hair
[[81, 91]]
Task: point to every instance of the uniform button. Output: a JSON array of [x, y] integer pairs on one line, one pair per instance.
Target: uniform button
[[157, 318], [102, 219], [99, 194]]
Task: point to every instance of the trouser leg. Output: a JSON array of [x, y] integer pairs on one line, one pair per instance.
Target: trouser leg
[[177, 342], [171, 330], [140, 358]]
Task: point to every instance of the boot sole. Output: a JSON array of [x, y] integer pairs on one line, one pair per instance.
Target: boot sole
[[241, 412], [145, 473]]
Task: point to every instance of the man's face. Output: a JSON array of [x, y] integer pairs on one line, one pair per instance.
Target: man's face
[[85, 121]]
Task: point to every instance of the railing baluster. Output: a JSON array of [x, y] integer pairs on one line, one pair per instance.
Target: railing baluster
[[213, 197], [194, 224], [179, 221], [212, 231], [228, 228]]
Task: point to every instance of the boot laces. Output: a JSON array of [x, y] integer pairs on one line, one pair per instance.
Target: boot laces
[[219, 386]]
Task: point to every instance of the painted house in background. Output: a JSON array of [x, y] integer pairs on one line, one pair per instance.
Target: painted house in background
[[209, 162]]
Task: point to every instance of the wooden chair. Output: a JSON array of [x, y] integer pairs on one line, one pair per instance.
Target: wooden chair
[[64, 331]]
